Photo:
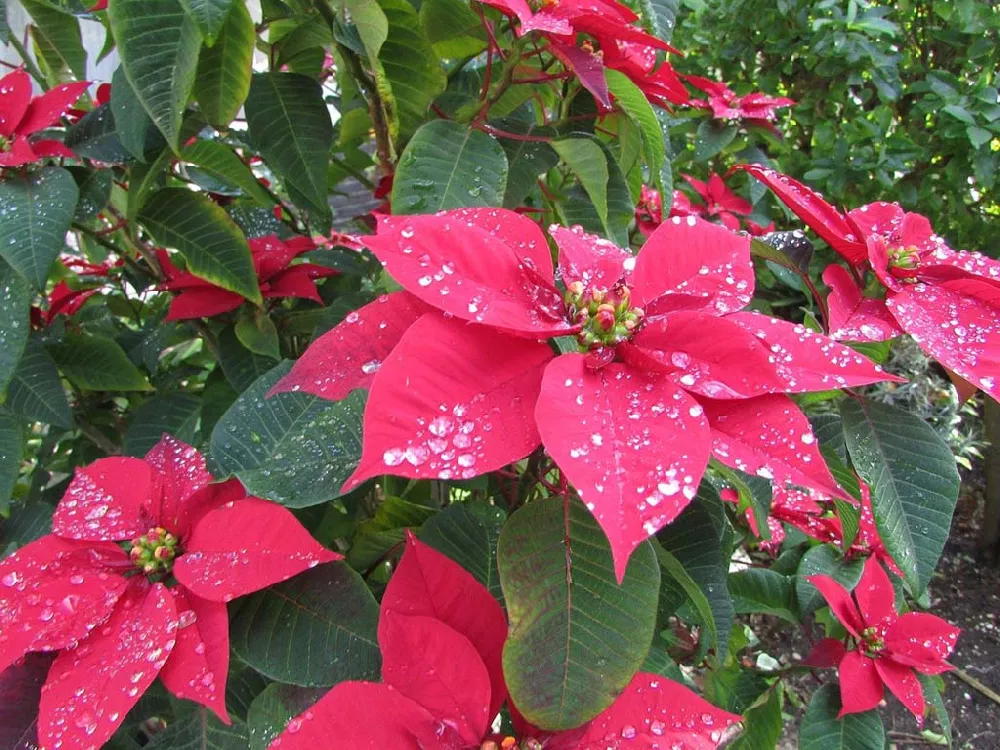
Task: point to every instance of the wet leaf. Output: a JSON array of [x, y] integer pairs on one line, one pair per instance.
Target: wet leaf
[[822, 730]]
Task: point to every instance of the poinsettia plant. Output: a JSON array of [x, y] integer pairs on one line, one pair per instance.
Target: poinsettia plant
[[367, 378]]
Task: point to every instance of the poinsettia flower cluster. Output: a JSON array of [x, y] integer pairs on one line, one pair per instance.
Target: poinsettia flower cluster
[[948, 301], [756, 108], [888, 648], [22, 116], [813, 513], [277, 277], [132, 584], [661, 366], [613, 40], [441, 634]]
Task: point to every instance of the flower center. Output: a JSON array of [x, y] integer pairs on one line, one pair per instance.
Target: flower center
[[873, 642], [510, 743], [154, 552], [902, 260], [4, 144], [607, 317]]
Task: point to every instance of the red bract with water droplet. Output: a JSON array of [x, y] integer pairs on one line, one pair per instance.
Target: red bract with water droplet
[[109, 613], [276, 275], [948, 301], [441, 634], [21, 116], [756, 108], [888, 648], [622, 45], [661, 339]]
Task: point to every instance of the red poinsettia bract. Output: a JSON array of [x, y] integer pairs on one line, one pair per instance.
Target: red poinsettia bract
[[667, 370], [756, 108], [622, 45], [649, 210], [888, 648], [108, 610], [277, 276], [67, 300], [441, 634], [22, 115], [719, 202], [947, 300]]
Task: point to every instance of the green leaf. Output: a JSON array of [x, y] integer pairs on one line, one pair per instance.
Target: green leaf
[[371, 23], [695, 539], [978, 136], [57, 37], [932, 694], [210, 15], [242, 686], [318, 628], [12, 441], [762, 722], [568, 616], [222, 162], [95, 191], [411, 68], [635, 104], [660, 17], [526, 161], [914, 483], [763, 590], [27, 522], [828, 561], [241, 366], [274, 708], [201, 730], [613, 196], [136, 131], [712, 136], [94, 136], [256, 331], [97, 363], [222, 80], [376, 536], [733, 688], [290, 127], [791, 250], [158, 46], [173, 413], [754, 492], [293, 448], [15, 323], [36, 391], [449, 165], [822, 730], [452, 28], [687, 588], [468, 533], [37, 210], [585, 158], [210, 242]]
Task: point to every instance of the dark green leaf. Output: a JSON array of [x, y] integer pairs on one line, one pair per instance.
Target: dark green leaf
[[411, 68], [95, 191], [210, 242], [201, 730], [828, 561], [97, 363], [695, 539], [256, 331], [913, 479], [37, 210], [172, 413], [762, 723], [468, 533], [241, 366], [449, 165], [95, 136], [711, 138], [222, 162], [12, 439], [57, 37], [660, 17], [822, 730], [791, 250], [526, 161], [935, 702], [316, 629], [733, 688], [210, 15], [26, 523], [630, 98], [158, 46], [568, 616], [36, 391], [293, 448], [290, 126], [222, 81], [15, 325], [763, 590], [376, 536], [274, 708], [242, 686], [677, 586], [583, 208], [136, 131]]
